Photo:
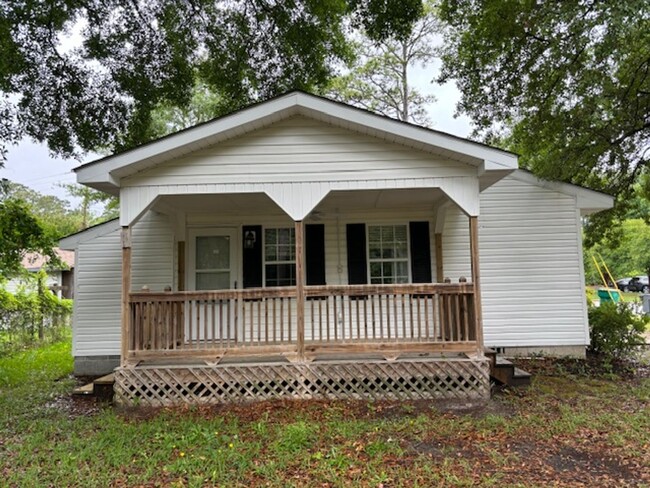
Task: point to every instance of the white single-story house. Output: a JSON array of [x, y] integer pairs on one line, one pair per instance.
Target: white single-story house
[[60, 279], [302, 247]]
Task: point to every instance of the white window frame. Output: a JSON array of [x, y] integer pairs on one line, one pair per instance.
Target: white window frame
[[265, 262], [408, 249]]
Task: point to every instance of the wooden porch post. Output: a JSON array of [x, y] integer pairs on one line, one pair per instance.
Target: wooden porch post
[[126, 288], [300, 288], [476, 280]]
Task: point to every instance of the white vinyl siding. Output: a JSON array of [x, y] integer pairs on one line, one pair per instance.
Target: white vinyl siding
[[98, 280], [529, 251], [300, 149], [531, 270]]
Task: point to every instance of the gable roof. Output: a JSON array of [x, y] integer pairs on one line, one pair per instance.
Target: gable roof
[[72, 241], [34, 261], [588, 201], [105, 174]]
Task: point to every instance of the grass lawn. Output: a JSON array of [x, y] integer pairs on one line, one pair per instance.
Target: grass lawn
[[565, 430]]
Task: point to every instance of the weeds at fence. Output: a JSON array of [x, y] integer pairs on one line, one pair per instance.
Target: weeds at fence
[[31, 316]]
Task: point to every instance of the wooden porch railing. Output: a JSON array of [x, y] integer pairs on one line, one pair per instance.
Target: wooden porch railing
[[430, 317]]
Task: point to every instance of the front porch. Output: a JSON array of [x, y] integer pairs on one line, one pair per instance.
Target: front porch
[[366, 341]]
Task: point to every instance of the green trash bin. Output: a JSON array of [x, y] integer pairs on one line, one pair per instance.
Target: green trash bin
[[609, 295]]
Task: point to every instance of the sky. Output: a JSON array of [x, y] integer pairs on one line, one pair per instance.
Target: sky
[[31, 164]]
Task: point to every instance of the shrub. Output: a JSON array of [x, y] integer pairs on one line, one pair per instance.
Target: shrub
[[32, 315], [615, 330]]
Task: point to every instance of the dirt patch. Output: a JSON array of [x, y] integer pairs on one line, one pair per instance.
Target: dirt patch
[[77, 406], [572, 465]]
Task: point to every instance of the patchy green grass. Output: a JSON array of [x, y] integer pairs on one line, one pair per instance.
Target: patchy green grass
[[566, 429]]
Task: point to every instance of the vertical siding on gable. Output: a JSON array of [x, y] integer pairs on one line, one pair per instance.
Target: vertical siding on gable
[[96, 322]]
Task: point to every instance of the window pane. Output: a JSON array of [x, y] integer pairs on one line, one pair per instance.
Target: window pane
[[280, 274], [270, 253], [400, 233], [284, 236], [374, 234], [284, 253], [375, 270], [387, 252], [213, 281], [270, 236], [401, 269], [401, 250], [387, 233], [212, 252]]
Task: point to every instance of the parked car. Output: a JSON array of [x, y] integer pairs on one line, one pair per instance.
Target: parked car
[[623, 283], [639, 284]]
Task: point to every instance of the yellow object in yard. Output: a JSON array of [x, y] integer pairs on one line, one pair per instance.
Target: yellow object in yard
[[614, 297]]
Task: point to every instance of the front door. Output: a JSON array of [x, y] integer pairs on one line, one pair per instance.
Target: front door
[[213, 259], [212, 263]]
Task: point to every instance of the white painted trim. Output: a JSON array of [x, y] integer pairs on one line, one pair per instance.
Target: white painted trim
[[408, 245], [70, 243], [581, 265]]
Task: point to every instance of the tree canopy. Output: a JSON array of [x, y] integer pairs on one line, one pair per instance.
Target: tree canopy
[[379, 76], [20, 232], [123, 60], [565, 84]]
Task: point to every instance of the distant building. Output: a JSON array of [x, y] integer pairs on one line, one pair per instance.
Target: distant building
[[60, 281]]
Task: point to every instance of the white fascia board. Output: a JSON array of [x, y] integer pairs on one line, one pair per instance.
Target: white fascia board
[[106, 173], [71, 242], [588, 201]]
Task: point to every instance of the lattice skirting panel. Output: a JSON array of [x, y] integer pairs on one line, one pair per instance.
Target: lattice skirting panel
[[369, 380]]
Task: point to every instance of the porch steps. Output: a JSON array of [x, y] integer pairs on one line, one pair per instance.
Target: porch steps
[[101, 388], [504, 372]]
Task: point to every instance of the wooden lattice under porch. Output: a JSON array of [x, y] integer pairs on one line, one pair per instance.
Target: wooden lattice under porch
[[411, 378]]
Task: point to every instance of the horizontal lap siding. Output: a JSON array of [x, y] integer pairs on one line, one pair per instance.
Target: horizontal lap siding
[[98, 282], [532, 287], [300, 149]]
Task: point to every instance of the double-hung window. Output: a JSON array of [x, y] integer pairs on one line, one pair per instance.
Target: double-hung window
[[279, 257], [388, 254]]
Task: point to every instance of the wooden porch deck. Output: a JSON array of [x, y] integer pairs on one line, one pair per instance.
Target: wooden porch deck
[[364, 342]]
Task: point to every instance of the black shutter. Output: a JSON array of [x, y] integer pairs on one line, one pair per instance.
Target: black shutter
[[420, 252], [252, 256], [357, 263], [315, 254]]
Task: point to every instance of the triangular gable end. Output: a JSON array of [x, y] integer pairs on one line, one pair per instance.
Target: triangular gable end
[[107, 174]]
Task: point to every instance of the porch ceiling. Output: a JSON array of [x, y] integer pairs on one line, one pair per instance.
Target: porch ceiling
[[342, 201], [224, 204], [337, 201]]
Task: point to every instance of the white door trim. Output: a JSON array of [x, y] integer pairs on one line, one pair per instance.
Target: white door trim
[[235, 254]]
